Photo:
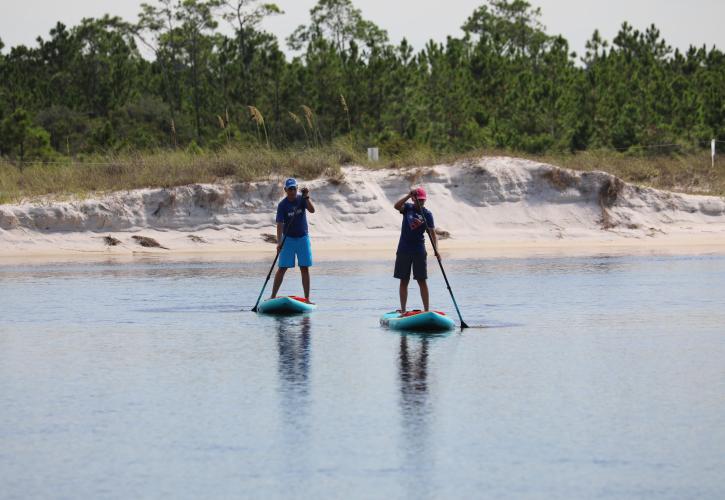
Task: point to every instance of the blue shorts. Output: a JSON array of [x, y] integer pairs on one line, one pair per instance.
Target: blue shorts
[[296, 246]]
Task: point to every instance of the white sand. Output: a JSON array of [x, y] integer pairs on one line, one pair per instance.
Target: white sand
[[490, 207]]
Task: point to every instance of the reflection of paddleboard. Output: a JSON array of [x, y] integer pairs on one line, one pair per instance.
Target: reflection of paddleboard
[[286, 305], [429, 321]]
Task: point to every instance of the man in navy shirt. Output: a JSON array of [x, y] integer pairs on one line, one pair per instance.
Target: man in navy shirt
[[411, 247], [292, 221]]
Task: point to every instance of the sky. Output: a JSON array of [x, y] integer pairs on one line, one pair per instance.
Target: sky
[[695, 22]]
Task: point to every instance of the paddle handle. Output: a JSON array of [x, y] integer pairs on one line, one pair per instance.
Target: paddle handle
[[261, 292]]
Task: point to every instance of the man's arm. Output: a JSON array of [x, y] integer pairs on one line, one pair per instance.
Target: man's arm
[[280, 230], [279, 219], [308, 201], [399, 204]]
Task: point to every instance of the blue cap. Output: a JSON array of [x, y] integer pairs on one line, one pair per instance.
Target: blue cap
[[290, 183]]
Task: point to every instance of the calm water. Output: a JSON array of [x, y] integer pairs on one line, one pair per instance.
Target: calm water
[[597, 378]]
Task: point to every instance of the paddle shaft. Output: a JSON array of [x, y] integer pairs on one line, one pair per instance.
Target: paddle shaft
[[284, 237], [440, 262]]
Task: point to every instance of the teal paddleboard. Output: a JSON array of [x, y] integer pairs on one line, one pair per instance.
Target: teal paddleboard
[[286, 305], [419, 321]]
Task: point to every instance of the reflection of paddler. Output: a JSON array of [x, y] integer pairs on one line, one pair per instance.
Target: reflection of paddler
[[293, 372], [293, 346], [415, 409], [413, 374]]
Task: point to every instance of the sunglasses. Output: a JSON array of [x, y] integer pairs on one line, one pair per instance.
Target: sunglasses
[[293, 188]]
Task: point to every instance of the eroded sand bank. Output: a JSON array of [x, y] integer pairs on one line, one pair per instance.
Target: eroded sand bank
[[490, 207]]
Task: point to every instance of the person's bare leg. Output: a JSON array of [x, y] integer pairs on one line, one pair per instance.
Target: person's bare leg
[[278, 277], [305, 272], [423, 284], [403, 294]]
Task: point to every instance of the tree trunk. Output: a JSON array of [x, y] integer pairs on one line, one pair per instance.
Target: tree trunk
[[195, 83], [22, 153]]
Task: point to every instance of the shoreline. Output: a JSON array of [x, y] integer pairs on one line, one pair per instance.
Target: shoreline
[[377, 250]]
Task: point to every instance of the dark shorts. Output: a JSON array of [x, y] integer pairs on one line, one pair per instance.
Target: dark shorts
[[403, 263]]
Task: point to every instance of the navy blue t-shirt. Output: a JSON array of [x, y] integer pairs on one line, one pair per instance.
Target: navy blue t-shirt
[[412, 232], [285, 211]]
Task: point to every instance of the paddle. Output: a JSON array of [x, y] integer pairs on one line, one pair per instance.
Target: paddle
[[284, 237], [440, 263]]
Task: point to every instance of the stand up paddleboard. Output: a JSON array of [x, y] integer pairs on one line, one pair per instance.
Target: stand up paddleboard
[[419, 321], [286, 305]]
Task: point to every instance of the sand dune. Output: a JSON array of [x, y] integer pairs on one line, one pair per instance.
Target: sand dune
[[490, 206]]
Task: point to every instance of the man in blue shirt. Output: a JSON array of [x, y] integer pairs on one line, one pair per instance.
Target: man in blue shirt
[[292, 221], [411, 247]]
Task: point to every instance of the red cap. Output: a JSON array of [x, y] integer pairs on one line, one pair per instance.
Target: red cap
[[420, 193]]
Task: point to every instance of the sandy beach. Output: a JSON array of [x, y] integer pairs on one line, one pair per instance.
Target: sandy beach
[[490, 207]]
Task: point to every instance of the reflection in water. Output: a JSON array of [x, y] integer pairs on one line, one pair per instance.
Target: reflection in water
[[293, 346], [293, 369], [415, 410], [413, 374]]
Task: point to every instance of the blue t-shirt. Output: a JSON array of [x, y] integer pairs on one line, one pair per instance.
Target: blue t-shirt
[[286, 209], [412, 232]]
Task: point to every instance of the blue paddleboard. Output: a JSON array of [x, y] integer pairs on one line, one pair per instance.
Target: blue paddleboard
[[286, 305], [428, 321]]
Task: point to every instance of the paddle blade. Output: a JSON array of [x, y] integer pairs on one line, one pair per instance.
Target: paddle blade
[[254, 309], [464, 325]]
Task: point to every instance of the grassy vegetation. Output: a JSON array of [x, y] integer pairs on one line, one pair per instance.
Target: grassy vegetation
[[687, 173], [691, 173], [167, 168]]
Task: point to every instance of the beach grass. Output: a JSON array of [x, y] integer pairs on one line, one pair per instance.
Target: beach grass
[[691, 173], [168, 168], [688, 173]]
